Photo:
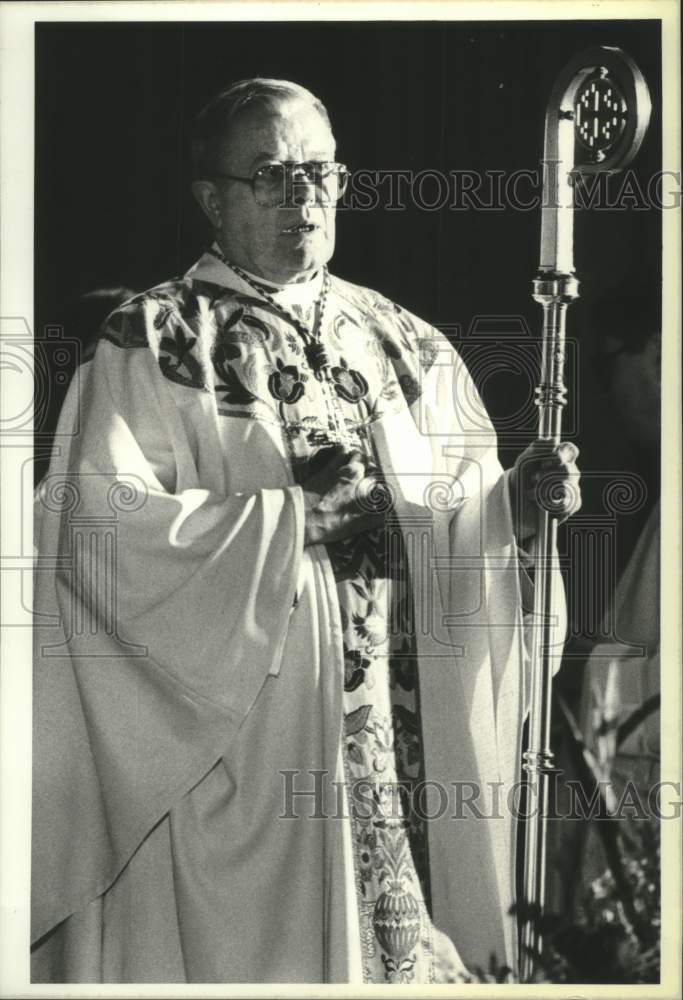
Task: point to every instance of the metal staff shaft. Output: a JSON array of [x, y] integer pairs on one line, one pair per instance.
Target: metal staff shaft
[[554, 294], [599, 109]]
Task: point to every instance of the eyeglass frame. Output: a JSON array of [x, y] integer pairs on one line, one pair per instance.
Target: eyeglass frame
[[290, 165]]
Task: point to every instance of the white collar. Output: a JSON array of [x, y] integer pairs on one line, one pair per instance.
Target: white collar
[[300, 293]]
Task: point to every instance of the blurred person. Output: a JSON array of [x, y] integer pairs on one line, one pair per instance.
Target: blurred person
[[622, 676], [614, 693]]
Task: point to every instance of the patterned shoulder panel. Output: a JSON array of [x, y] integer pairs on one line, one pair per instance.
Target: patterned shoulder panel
[[198, 332], [171, 321], [128, 325], [410, 343], [201, 334]]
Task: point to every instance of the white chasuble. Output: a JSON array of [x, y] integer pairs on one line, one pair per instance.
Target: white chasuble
[[242, 746]]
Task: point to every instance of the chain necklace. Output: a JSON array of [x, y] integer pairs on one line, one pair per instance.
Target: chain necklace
[[314, 349]]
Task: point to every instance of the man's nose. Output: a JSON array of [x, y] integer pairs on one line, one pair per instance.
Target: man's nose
[[302, 191]]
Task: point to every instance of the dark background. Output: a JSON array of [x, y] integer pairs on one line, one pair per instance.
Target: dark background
[[114, 106]]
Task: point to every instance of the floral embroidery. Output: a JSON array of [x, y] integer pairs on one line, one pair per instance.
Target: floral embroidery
[[371, 627], [399, 972], [349, 555], [367, 935], [293, 343], [383, 758], [370, 746], [286, 383], [369, 855], [349, 384], [256, 332], [391, 390], [189, 309], [427, 352], [355, 668], [409, 387], [354, 722], [388, 884], [388, 346], [123, 329], [231, 388], [176, 360]]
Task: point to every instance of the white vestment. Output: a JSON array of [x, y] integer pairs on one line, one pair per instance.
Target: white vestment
[[189, 652]]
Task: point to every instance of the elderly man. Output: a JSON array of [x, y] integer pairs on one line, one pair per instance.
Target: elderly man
[[280, 666]]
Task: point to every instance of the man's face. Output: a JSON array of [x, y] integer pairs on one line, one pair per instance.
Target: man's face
[[265, 240]]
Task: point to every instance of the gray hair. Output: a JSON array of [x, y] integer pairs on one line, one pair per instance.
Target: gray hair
[[214, 120]]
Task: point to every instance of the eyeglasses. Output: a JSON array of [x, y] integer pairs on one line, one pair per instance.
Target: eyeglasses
[[283, 183]]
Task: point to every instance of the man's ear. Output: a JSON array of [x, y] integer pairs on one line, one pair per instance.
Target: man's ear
[[205, 193]]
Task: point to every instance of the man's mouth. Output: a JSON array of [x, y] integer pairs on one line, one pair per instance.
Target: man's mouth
[[300, 227]]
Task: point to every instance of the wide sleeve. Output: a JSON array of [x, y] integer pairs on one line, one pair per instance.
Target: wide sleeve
[[161, 606], [485, 556]]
